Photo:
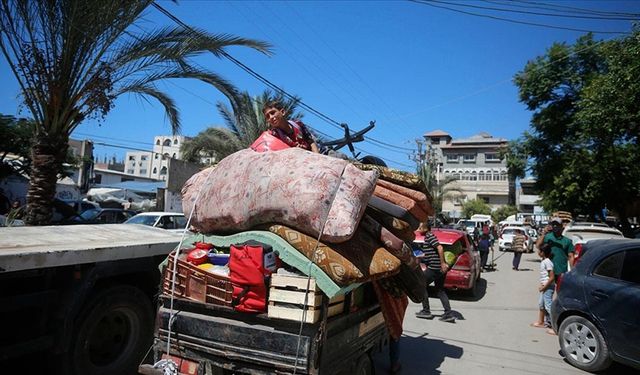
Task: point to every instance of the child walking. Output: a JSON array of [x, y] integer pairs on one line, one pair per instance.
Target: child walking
[[546, 287]]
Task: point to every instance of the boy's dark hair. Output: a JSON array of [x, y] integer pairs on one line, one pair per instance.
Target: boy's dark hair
[[546, 250], [273, 104]]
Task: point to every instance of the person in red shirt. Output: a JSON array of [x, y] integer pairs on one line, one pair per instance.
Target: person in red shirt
[[292, 132]]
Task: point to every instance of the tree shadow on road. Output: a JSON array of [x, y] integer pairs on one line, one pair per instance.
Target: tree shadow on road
[[419, 355]]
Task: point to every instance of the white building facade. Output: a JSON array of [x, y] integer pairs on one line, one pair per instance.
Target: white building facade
[[475, 165], [154, 164]]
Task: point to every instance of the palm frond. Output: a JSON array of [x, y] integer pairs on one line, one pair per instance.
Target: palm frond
[[169, 104]]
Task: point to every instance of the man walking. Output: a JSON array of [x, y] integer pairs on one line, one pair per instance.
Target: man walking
[[435, 271], [561, 247]]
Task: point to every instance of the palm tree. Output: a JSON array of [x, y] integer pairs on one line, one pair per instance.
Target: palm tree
[[244, 122], [73, 58]]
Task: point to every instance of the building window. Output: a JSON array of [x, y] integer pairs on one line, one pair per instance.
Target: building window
[[469, 158], [132, 157], [167, 142], [155, 170], [130, 171], [155, 156], [163, 171], [175, 141], [452, 158], [158, 142], [492, 157], [481, 176], [174, 155], [143, 157], [143, 171]]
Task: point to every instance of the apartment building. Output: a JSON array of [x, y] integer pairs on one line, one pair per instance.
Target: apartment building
[[154, 164], [475, 165]]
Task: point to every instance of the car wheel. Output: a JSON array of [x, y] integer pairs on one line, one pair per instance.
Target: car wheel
[[583, 345], [113, 332], [473, 291], [364, 365]]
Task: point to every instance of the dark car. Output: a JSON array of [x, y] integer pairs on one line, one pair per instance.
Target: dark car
[[597, 312], [101, 216]]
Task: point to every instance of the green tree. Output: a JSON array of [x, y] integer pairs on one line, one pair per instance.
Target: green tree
[[475, 206], [503, 212], [73, 58], [15, 140], [440, 189], [244, 122], [515, 155], [583, 144]]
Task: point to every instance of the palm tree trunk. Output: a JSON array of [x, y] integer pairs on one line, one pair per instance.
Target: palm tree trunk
[[47, 155]]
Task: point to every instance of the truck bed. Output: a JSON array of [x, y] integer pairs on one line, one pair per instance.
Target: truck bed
[[248, 343], [28, 248]]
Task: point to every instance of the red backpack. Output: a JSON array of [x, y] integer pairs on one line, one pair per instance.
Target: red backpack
[[247, 273]]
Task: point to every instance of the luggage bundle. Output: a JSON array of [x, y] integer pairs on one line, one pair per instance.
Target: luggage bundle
[[353, 223]]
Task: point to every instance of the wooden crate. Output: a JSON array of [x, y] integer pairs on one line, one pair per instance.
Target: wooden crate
[[197, 284], [287, 298]]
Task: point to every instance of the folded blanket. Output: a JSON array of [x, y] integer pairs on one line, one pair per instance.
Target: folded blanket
[[420, 198], [402, 201], [293, 187], [360, 259], [406, 179], [396, 246], [394, 210], [399, 228]]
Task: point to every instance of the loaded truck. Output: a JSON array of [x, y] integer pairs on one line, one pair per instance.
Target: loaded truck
[[207, 335], [79, 300]]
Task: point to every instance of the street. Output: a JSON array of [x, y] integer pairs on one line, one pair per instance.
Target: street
[[491, 335]]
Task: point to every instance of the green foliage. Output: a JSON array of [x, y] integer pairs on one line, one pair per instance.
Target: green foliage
[[73, 58], [244, 122], [475, 206], [503, 212], [15, 143], [583, 144]]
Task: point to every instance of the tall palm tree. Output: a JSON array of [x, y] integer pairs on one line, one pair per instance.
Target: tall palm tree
[[244, 122], [73, 58]]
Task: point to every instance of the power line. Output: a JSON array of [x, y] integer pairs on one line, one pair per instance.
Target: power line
[[593, 17], [262, 79], [553, 7], [429, 3]]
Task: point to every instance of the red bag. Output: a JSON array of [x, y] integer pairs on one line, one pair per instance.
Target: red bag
[[247, 274], [267, 142]]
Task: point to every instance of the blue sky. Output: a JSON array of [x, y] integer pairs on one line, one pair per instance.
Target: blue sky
[[410, 67]]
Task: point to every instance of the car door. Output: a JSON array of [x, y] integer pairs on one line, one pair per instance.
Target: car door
[[613, 295]]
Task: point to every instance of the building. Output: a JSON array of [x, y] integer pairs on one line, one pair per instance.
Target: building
[[154, 164], [475, 165]]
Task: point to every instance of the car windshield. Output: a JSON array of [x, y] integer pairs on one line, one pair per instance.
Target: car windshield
[[90, 214], [511, 231], [143, 219]]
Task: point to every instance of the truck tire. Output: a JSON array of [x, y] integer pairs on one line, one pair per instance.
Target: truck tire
[[363, 366], [112, 333]]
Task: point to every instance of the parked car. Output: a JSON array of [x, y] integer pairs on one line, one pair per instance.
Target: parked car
[[506, 238], [596, 311], [582, 232], [172, 221], [465, 272], [101, 216]]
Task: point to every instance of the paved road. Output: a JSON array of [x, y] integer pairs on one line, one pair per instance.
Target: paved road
[[492, 336]]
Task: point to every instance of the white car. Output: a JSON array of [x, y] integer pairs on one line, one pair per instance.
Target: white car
[[506, 238], [172, 221], [582, 232]]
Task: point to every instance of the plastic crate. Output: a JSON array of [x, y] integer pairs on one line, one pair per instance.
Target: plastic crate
[[196, 284]]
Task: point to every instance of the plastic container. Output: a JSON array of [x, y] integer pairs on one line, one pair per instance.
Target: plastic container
[[197, 256], [218, 259]]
